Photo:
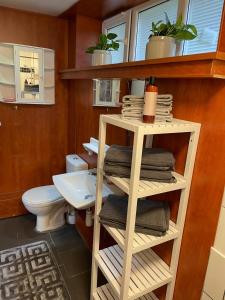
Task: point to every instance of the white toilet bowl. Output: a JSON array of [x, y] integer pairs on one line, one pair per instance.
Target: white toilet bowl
[[48, 205]]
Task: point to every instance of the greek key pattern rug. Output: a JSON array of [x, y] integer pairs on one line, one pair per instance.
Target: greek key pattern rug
[[30, 272]]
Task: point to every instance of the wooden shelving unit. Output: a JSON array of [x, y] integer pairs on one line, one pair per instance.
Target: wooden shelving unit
[[207, 65], [132, 268]]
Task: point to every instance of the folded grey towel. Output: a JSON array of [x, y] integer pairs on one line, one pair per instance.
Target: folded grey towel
[[152, 216], [138, 229], [145, 174], [150, 156], [143, 166]]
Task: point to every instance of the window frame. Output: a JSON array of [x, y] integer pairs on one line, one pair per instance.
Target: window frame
[[135, 11], [121, 18], [131, 18]]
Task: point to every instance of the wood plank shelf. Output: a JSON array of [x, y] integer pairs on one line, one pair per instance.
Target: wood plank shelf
[[148, 271], [142, 241], [105, 292], [207, 65], [149, 188]]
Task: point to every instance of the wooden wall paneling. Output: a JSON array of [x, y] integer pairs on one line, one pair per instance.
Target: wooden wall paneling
[[86, 117], [221, 39], [199, 101], [83, 117], [33, 137], [87, 33]]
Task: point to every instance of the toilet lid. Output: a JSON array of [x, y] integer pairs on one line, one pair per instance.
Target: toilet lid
[[41, 195]]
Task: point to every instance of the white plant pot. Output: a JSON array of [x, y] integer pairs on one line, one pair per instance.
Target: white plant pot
[[160, 46], [101, 57]]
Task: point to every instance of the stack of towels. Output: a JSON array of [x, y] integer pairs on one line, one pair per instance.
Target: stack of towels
[[164, 108], [152, 216], [132, 107], [157, 164]]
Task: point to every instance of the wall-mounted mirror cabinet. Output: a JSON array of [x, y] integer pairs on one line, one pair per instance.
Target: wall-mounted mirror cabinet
[[27, 74]]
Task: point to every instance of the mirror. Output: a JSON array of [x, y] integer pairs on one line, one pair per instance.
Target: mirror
[[30, 81]]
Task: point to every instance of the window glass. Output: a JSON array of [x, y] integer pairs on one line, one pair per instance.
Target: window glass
[[144, 23], [206, 16], [117, 56]]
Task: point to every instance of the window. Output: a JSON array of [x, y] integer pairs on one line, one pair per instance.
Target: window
[[206, 16], [143, 16], [120, 24]]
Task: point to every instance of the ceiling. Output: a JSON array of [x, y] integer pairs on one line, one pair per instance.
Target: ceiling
[[49, 7]]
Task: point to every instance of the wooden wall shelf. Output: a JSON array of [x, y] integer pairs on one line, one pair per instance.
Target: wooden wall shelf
[[207, 65]]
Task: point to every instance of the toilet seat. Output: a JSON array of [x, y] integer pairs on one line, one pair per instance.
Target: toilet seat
[[42, 196]]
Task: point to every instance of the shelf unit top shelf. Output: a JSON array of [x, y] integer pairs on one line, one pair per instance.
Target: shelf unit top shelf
[[176, 126], [148, 271], [206, 65], [142, 241], [105, 292]]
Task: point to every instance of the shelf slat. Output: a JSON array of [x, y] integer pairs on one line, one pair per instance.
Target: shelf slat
[[7, 83], [142, 241], [105, 292], [148, 271], [149, 188]]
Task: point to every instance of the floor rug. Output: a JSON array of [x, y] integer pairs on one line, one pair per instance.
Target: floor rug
[[30, 272]]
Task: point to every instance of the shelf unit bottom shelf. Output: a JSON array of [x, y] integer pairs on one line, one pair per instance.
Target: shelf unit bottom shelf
[[105, 292], [148, 271]]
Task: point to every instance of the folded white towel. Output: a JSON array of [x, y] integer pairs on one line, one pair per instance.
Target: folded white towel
[[132, 112], [131, 99], [133, 105], [168, 118], [163, 110], [132, 118], [161, 113], [166, 97]]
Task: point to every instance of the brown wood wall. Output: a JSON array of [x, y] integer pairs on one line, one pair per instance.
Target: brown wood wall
[[83, 117], [199, 100], [33, 138]]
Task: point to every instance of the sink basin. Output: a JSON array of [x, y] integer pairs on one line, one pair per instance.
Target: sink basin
[[79, 188]]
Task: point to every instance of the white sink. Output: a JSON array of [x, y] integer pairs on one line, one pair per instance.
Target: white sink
[[79, 188]]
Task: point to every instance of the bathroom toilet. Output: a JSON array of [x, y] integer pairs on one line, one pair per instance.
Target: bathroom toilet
[[47, 203]]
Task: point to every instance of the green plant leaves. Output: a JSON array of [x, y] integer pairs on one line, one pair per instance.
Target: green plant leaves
[[105, 42], [184, 35], [111, 36], [178, 30], [90, 50], [167, 19]]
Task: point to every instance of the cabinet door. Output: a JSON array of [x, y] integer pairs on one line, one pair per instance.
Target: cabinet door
[[49, 76], [7, 73], [29, 74], [205, 297], [215, 277]]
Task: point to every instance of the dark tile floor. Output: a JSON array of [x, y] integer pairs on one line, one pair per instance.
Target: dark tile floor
[[72, 255]]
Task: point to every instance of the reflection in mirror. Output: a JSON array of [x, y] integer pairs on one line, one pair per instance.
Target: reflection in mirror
[[29, 74]]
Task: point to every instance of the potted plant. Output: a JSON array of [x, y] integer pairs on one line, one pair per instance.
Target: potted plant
[[162, 40], [101, 53]]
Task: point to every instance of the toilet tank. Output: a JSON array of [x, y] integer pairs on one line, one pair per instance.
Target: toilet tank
[[75, 163]]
